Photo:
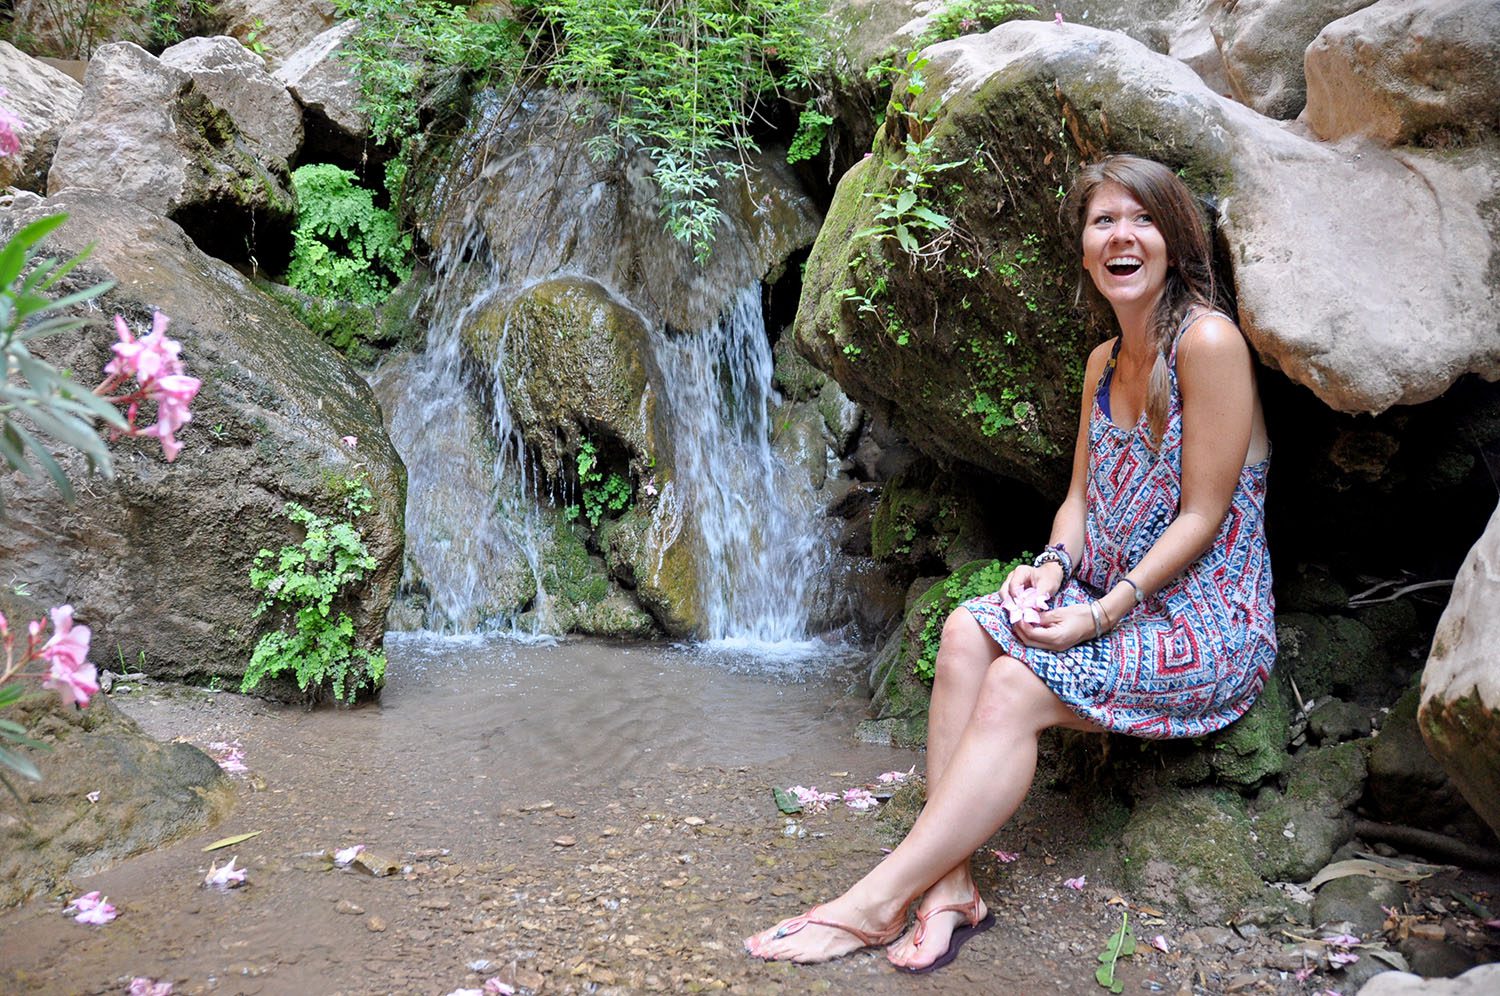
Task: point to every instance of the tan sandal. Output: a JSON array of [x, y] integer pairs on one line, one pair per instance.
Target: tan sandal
[[866, 938]]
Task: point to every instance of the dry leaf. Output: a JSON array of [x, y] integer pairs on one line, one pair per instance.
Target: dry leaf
[[231, 841]]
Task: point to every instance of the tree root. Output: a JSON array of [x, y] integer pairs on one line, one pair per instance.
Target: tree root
[[1427, 842]]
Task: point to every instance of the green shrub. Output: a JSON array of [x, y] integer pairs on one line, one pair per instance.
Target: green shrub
[[969, 581], [962, 17], [345, 247], [301, 582]]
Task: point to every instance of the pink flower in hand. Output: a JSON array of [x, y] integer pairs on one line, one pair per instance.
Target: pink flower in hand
[[70, 674], [1026, 607]]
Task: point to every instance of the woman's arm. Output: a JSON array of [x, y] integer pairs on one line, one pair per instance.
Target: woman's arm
[[1216, 375]]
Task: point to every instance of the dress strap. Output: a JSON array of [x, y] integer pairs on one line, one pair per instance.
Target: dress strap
[[1102, 391]]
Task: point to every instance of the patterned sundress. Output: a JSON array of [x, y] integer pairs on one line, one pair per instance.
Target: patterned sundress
[[1192, 657]]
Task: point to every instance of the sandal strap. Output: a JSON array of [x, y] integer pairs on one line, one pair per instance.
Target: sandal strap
[[870, 939], [970, 910]]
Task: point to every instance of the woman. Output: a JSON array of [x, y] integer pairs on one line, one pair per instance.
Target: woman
[[1156, 574]]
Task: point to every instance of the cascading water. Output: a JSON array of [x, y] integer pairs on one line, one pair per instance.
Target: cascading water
[[757, 531]]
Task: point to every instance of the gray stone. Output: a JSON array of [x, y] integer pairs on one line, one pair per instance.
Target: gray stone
[[147, 132], [1407, 784], [327, 89], [1262, 42], [1480, 981], [276, 28], [1357, 900], [1335, 721], [1403, 71], [1299, 831], [149, 794], [158, 560], [235, 79], [1190, 847], [1460, 713], [45, 100]]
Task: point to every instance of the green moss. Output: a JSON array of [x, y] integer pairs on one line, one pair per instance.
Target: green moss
[[1192, 848], [1253, 747], [1464, 734]]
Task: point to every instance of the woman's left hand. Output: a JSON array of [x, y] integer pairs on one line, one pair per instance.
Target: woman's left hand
[[1059, 629]]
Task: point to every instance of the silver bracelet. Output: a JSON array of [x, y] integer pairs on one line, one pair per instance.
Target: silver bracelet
[[1094, 611]]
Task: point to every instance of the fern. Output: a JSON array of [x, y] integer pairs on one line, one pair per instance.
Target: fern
[[344, 246]]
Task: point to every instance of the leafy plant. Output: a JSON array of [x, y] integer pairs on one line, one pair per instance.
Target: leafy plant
[[812, 127], [47, 399], [962, 17], [601, 493], [1121, 944], [957, 589], [344, 246], [15, 733], [302, 582]]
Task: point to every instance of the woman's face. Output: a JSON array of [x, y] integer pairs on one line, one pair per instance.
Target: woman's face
[[1123, 250]]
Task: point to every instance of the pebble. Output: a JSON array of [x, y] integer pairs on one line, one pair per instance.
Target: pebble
[[345, 906], [376, 925]]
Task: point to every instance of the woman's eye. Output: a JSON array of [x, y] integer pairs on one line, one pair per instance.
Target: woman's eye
[[1144, 219]]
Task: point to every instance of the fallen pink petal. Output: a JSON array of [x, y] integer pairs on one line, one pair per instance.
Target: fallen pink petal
[[227, 877], [229, 755], [1493, 923], [896, 777], [1159, 942], [1341, 940], [1303, 974], [142, 986], [344, 857], [1077, 884], [1006, 857], [860, 799], [494, 987], [1340, 959], [93, 796], [91, 908], [350, 441], [1057, 17]]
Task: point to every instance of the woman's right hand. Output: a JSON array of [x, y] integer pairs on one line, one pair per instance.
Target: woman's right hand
[[1046, 579]]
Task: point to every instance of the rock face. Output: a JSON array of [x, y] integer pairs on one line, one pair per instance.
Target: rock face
[[327, 90], [235, 79], [149, 794], [145, 131], [157, 561], [277, 27], [979, 319], [1262, 42], [1460, 713], [45, 100], [1405, 71], [1475, 982]]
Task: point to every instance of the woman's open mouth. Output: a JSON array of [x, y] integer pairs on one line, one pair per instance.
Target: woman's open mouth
[[1122, 266]]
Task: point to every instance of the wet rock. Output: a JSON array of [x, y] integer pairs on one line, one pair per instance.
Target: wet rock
[[1460, 712], [146, 132], [158, 561], [1334, 721], [45, 100], [1191, 847], [1357, 900], [1329, 655], [800, 438], [1299, 831], [1478, 981], [1407, 783], [235, 79], [156, 793], [274, 28], [326, 88], [1262, 42], [1404, 71]]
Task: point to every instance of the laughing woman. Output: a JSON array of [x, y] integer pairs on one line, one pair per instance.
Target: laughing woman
[[1155, 585]]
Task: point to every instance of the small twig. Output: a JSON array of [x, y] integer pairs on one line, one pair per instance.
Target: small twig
[[1356, 601]]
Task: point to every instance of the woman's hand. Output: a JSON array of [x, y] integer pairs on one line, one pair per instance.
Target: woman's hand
[[1059, 630], [1045, 579]]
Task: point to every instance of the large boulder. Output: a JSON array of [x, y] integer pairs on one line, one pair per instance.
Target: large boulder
[[147, 132], [1407, 72], [1460, 712], [45, 100], [147, 794], [235, 79], [981, 318], [157, 562], [326, 87], [1262, 42], [276, 28]]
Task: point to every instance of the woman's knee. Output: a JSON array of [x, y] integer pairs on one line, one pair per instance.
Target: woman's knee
[[964, 647], [1011, 696]]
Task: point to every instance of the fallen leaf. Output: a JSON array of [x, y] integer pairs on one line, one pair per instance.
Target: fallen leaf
[[231, 841], [1369, 869]]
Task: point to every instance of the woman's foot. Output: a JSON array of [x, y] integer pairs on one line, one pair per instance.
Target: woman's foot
[[949, 915], [823, 933]]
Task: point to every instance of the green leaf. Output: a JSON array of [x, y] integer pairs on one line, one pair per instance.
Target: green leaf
[[20, 765], [785, 801], [45, 459], [905, 239]]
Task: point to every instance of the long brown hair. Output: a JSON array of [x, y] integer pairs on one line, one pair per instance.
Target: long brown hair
[[1190, 274]]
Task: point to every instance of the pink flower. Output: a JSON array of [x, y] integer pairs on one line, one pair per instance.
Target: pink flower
[[1006, 857], [1057, 17], [142, 986], [494, 987], [811, 799], [1493, 923], [1342, 940], [230, 756], [70, 674], [10, 143], [349, 441], [91, 908], [1026, 607], [152, 360], [860, 799], [1160, 943], [1077, 884], [1340, 959], [1305, 973], [348, 854], [228, 877], [896, 777]]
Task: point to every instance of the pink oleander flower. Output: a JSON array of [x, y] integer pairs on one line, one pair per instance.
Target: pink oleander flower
[[1077, 884], [10, 142], [153, 361], [1304, 973], [1026, 607], [91, 908], [348, 854], [811, 799], [142, 986], [860, 799], [1341, 941], [1160, 943], [1006, 857], [70, 674], [896, 777], [494, 987], [227, 877], [1342, 959]]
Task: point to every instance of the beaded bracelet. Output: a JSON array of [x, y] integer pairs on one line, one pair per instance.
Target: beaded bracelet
[[1056, 553]]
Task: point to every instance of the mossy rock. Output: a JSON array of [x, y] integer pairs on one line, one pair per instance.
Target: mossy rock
[[1407, 783], [928, 521], [1253, 747], [649, 556], [1298, 831], [1192, 848], [1329, 655]]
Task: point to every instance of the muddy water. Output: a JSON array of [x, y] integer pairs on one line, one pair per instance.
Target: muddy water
[[576, 818]]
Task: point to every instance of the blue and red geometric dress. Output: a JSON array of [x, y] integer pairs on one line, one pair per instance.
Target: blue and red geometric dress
[[1192, 657]]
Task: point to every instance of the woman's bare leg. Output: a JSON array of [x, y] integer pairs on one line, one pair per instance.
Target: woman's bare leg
[[982, 784]]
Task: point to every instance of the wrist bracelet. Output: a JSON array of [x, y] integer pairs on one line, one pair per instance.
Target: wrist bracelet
[[1140, 596], [1094, 611], [1056, 553]]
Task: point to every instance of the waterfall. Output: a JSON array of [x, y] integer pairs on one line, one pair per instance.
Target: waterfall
[[758, 535]]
